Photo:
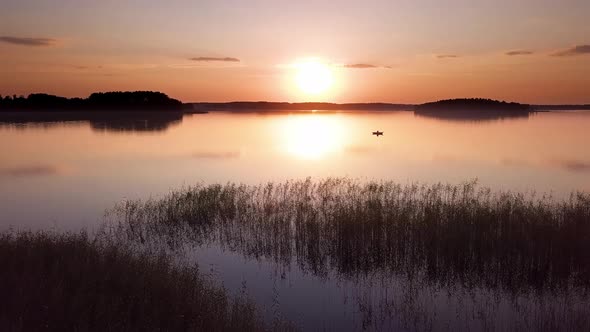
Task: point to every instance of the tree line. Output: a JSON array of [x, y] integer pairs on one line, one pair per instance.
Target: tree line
[[129, 100]]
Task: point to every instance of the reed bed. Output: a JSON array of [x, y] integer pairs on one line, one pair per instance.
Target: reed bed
[[67, 282], [440, 233]]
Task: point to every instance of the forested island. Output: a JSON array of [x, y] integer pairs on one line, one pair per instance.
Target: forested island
[[139, 111], [98, 101], [472, 104], [472, 109]]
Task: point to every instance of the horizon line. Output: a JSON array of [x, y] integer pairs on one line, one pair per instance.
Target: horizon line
[[313, 102]]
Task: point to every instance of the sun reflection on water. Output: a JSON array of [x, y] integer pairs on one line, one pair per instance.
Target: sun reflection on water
[[313, 136]]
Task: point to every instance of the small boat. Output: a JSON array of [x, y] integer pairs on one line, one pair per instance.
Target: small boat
[[378, 133]]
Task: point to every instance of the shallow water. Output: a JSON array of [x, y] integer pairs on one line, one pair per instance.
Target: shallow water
[[346, 255], [393, 303]]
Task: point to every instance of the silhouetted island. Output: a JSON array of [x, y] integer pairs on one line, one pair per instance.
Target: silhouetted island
[[472, 109], [472, 104], [139, 111], [99, 101]]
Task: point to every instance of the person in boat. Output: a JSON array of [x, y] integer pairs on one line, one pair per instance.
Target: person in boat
[[378, 133]]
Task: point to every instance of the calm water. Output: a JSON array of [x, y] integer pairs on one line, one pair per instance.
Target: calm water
[[65, 174]]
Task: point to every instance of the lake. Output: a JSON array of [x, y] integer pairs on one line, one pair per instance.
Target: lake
[[65, 174], [71, 171]]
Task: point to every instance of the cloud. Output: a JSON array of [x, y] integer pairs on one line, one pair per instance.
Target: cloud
[[576, 50], [519, 52], [360, 66], [28, 171], [25, 41], [133, 66], [447, 56], [220, 59], [575, 165], [84, 67], [571, 165], [216, 155], [364, 66]]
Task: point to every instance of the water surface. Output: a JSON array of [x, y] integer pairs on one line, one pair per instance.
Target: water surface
[[65, 174]]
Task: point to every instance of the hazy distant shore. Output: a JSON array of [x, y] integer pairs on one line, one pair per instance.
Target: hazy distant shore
[[39, 104], [463, 104]]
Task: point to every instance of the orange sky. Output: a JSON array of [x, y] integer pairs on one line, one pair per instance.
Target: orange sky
[[535, 51]]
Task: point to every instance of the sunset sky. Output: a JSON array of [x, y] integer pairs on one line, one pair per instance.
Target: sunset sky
[[533, 51]]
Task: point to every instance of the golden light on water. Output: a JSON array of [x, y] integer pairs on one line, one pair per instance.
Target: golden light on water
[[313, 77], [312, 136]]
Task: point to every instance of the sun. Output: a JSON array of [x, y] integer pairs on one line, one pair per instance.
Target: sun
[[313, 77]]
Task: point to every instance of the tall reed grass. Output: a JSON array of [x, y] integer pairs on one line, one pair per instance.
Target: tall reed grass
[[444, 234], [67, 282]]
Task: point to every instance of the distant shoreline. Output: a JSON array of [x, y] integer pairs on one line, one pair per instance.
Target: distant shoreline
[[285, 106], [188, 109], [151, 101]]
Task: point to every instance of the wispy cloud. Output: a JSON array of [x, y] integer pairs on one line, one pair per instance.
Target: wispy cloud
[[84, 67], [447, 56], [576, 50], [131, 66], [218, 59], [31, 170], [360, 66], [27, 41], [519, 52], [364, 66], [570, 165], [575, 165], [216, 155]]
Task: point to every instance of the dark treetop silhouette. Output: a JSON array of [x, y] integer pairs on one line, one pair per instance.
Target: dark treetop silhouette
[[111, 111], [474, 109], [472, 104], [103, 101]]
